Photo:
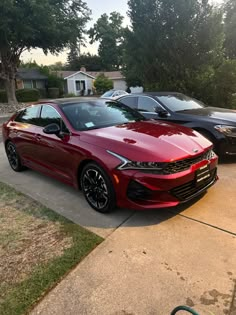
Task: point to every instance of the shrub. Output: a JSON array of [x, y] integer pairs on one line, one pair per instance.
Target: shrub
[[43, 93], [53, 92], [27, 95], [3, 96], [102, 84]]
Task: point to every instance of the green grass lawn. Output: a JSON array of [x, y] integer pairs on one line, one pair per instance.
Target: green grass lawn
[[37, 248]]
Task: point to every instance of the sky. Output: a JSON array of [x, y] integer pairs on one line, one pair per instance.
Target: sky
[[98, 7]]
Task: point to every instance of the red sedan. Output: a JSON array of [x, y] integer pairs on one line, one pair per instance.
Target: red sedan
[[112, 153]]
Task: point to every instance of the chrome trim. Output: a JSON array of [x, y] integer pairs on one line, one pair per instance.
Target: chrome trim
[[121, 158]]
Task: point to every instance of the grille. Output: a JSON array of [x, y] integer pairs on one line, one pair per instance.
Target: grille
[[182, 165], [186, 191]]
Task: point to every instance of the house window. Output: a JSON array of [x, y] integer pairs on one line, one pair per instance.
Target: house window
[[28, 84], [80, 85]]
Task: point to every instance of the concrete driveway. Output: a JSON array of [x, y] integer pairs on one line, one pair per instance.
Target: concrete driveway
[[150, 261]]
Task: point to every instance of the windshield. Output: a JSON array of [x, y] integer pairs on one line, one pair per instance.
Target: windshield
[[180, 102], [108, 94], [86, 116]]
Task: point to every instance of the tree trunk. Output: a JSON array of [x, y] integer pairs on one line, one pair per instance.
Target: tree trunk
[[11, 91]]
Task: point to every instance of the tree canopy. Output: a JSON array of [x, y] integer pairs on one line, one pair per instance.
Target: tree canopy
[[89, 61], [108, 32], [230, 28], [172, 42], [47, 24]]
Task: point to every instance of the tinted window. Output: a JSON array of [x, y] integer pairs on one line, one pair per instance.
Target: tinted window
[[85, 116], [180, 102], [49, 115], [129, 101], [29, 115], [147, 104]]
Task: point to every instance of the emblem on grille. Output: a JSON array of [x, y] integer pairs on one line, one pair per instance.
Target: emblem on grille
[[195, 150]]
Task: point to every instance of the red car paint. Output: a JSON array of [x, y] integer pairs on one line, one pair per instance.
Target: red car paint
[[149, 141]]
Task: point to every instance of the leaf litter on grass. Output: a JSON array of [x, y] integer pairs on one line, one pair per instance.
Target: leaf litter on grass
[[26, 241]]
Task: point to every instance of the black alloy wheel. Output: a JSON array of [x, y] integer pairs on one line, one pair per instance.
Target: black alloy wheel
[[13, 157], [97, 188]]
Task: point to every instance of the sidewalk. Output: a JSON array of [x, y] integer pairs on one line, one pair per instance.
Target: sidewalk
[[149, 266]]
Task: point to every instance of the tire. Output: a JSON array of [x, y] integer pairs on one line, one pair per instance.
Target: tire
[[14, 158], [97, 188]]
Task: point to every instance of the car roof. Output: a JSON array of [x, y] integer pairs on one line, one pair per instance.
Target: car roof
[[153, 94], [62, 103]]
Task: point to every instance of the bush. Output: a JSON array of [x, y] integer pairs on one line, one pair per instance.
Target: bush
[[27, 95], [43, 93], [53, 92], [102, 84], [3, 96]]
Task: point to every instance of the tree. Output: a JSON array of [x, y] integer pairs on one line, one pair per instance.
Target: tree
[[47, 24], [230, 28], [73, 55], [171, 43], [108, 32], [89, 61], [102, 83]]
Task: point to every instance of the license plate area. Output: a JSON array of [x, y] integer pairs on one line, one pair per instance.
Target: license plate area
[[202, 175]]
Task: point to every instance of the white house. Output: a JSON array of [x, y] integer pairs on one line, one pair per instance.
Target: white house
[[78, 81]]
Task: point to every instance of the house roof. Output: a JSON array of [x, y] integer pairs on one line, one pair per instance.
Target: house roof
[[114, 75], [30, 74]]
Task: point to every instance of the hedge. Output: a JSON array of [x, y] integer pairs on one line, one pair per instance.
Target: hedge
[[27, 95], [53, 92]]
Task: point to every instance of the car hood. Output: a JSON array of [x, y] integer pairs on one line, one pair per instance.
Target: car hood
[[213, 113], [148, 141]]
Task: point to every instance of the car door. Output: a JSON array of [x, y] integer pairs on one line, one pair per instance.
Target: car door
[[54, 154], [22, 133], [150, 108]]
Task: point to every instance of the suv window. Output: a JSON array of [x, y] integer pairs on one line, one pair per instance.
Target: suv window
[[147, 104], [49, 115], [130, 101], [29, 115]]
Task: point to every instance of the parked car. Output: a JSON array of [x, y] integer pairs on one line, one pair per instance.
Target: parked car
[[216, 124], [112, 153], [113, 94]]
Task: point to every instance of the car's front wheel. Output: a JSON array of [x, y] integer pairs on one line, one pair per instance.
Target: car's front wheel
[[97, 188], [13, 157]]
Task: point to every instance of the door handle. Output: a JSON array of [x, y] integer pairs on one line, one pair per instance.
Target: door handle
[[38, 137]]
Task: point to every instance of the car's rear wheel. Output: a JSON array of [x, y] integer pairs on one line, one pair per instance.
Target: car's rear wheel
[[13, 157], [97, 188]]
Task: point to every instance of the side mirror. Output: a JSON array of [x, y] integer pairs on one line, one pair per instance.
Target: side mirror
[[52, 129], [161, 112]]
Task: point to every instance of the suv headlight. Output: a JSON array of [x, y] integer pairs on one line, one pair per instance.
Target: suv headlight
[[126, 164], [229, 131]]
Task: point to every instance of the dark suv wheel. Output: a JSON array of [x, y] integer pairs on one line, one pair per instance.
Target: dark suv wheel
[[97, 188]]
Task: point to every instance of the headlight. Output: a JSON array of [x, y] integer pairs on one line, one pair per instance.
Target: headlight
[[126, 164], [229, 131]]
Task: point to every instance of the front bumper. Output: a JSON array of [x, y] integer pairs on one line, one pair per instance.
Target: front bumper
[[140, 191], [226, 146]]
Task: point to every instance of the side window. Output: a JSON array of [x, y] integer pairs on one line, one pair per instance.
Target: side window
[[49, 116], [147, 104], [129, 101], [29, 115]]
